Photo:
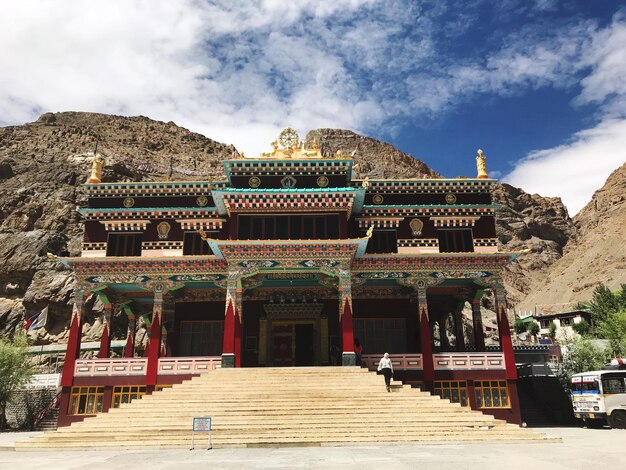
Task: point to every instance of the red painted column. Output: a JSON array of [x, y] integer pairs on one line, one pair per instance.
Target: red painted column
[[428, 366], [129, 348], [504, 333], [73, 343], [347, 330], [154, 347], [477, 320], [105, 339], [238, 328], [228, 347]]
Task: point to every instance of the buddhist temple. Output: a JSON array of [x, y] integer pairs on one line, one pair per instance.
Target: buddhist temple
[[288, 262]]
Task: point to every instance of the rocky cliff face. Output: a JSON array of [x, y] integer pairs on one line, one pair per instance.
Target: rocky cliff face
[[43, 164], [595, 254]]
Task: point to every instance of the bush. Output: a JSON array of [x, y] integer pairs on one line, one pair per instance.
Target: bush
[[15, 370], [520, 326], [533, 328], [552, 330], [583, 328], [579, 355]]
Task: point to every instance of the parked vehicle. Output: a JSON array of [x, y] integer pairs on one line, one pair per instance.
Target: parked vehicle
[[599, 397]]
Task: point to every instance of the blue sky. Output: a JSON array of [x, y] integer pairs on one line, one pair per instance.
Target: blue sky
[[537, 84]]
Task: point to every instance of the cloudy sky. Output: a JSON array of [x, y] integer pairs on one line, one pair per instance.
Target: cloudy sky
[[539, 85]]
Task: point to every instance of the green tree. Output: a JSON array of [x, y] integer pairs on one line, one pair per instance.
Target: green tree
[[520, 326], [614, 329], [533, 328], [604, 303], [552, 330], [583, 328], [579, 355], [15, 371]]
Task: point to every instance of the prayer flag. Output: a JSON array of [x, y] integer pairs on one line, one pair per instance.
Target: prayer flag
[[37, 321]]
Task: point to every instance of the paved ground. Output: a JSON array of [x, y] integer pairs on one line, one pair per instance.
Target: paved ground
[[580, 449]]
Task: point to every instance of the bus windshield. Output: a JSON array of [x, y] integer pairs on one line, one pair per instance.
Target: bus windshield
[[581, 387]]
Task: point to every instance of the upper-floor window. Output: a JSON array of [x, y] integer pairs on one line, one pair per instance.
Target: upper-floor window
[[193, 244], [455, 240], [289, 227], [383, 241], [124, 244]]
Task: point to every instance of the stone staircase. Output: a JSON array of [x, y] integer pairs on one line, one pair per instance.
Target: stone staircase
[[303, 406]]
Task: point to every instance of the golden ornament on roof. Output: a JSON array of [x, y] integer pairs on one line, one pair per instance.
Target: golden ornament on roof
[[481, 165], [288, 138], [96, 170]]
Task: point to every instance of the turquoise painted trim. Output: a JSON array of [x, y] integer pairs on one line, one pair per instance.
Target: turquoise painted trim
[[359, 201], [148, 184], [360, 251], [215, 248]]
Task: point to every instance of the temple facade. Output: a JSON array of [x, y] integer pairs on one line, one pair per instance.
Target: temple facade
[[289, 261]]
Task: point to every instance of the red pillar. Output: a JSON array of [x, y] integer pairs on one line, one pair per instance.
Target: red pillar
[[105, 339], [228, 348], [238, 328], [428, 366], [73, 343], [504, 333], [129, 348], [347, 335], [154, 347]]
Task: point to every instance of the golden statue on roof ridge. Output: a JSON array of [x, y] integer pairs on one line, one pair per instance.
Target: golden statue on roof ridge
[[289, 146]]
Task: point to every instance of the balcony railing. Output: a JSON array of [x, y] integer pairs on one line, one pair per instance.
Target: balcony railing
[[442, 361], [399, 361], [110, 367], [188, 365], [469, 361], [138, 366]]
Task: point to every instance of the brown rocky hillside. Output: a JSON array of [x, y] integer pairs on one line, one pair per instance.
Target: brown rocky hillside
[[596, 254], [43, 164]]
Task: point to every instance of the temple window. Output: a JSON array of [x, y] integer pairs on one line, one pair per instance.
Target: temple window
[[455, 391], [193, 244], [126, 394], [491, 394], [455, 240], [383, 241], [378, 335], [124, 244], [201, 338], [86, 400], [289, 227]]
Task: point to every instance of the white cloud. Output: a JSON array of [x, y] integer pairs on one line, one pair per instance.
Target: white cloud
[[239, 70], [574, 171]]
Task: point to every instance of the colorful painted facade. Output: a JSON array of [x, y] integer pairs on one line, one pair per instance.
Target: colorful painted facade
[[288, 262]]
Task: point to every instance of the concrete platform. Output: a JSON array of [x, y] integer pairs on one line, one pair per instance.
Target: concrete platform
[[580, 448]]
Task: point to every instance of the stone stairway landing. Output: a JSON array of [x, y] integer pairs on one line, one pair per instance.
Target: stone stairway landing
[[304, 406]]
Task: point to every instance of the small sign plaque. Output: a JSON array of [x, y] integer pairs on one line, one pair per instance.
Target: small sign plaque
[[201, 424]]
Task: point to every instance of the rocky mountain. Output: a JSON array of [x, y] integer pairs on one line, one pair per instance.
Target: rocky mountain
[[43, 164], [596, 253]]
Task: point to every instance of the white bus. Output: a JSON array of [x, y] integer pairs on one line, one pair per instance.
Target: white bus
[[599, 397]]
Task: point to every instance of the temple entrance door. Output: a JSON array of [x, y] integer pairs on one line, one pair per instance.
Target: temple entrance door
[[284, 344], [305, 346]]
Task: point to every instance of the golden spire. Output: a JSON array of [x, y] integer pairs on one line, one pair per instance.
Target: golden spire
[[481, 165], [96, 170]]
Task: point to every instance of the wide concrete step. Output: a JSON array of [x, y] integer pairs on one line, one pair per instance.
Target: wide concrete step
[[283, 406]]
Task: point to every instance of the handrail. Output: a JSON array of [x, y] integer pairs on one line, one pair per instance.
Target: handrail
[[46, 409]]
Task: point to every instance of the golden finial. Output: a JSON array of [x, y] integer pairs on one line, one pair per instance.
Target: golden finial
[[96, 170], [481, 165], [370, 232], [202, 234], [315, 147], [366, 182]]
